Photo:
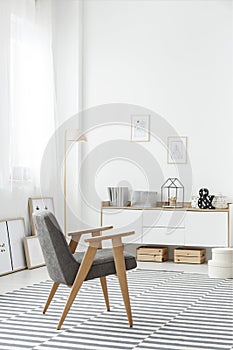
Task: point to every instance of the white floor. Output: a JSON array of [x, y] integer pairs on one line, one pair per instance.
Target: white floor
[[171, 266], [24, 278]]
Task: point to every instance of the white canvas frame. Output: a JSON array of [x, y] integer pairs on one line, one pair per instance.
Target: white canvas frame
[[12, 234], [33, 252], [37, 204]]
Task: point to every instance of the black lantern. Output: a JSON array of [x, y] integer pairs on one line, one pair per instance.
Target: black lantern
[[172, 193]]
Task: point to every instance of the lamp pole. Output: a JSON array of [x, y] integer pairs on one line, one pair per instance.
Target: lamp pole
[[65, 183], [73, 135]]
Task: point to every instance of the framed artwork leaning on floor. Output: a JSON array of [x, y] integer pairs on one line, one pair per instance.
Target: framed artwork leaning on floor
[[39, 203]]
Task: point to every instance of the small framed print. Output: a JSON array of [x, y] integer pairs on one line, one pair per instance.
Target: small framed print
[[177, 150], [140, 128]]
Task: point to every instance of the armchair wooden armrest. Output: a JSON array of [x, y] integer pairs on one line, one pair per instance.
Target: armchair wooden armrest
[[75, 236], [116, 239], [91, 230]]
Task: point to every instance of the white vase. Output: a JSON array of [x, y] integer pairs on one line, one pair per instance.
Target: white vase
[[194, 201], [219, 201]]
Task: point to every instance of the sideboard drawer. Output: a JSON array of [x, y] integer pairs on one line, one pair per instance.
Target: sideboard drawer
[[164, 236], [123, 221], [207, 229], [163, 218]]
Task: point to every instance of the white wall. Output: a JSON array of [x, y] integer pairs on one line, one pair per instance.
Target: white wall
[[67, 44], [174, 58], [66, 53]]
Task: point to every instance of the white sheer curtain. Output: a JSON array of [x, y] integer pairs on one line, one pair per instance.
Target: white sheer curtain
[[31, 87]]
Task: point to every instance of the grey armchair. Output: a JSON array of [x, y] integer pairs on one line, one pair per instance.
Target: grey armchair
[[70, 268]]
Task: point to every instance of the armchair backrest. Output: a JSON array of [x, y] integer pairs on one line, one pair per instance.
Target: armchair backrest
[[61, 265]]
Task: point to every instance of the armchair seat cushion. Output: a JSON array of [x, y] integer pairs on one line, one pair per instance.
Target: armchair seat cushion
[[103, 264]]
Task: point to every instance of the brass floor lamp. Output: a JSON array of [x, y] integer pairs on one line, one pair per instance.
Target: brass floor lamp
[[71, 135]]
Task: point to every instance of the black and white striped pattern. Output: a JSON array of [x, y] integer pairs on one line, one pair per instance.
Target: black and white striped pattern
[[171, 310]]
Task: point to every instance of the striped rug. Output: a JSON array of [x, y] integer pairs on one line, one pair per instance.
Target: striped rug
[[171, 310]]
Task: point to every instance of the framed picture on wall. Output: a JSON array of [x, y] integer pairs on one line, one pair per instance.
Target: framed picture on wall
[[140, 128], [177, 150], [38, 204]]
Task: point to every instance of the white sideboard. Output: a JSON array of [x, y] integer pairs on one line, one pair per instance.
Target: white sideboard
[[186, 226]]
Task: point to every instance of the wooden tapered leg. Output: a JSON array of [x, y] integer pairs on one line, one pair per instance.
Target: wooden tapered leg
[[121, 274], [73, 245], [105, 291], [81, 275], [51, 295]]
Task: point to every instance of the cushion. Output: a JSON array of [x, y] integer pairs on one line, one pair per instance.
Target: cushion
[[103, 264]]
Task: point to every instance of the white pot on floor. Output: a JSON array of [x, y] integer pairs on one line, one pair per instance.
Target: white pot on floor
[[221, 265], [218, 270], [223, 255]]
